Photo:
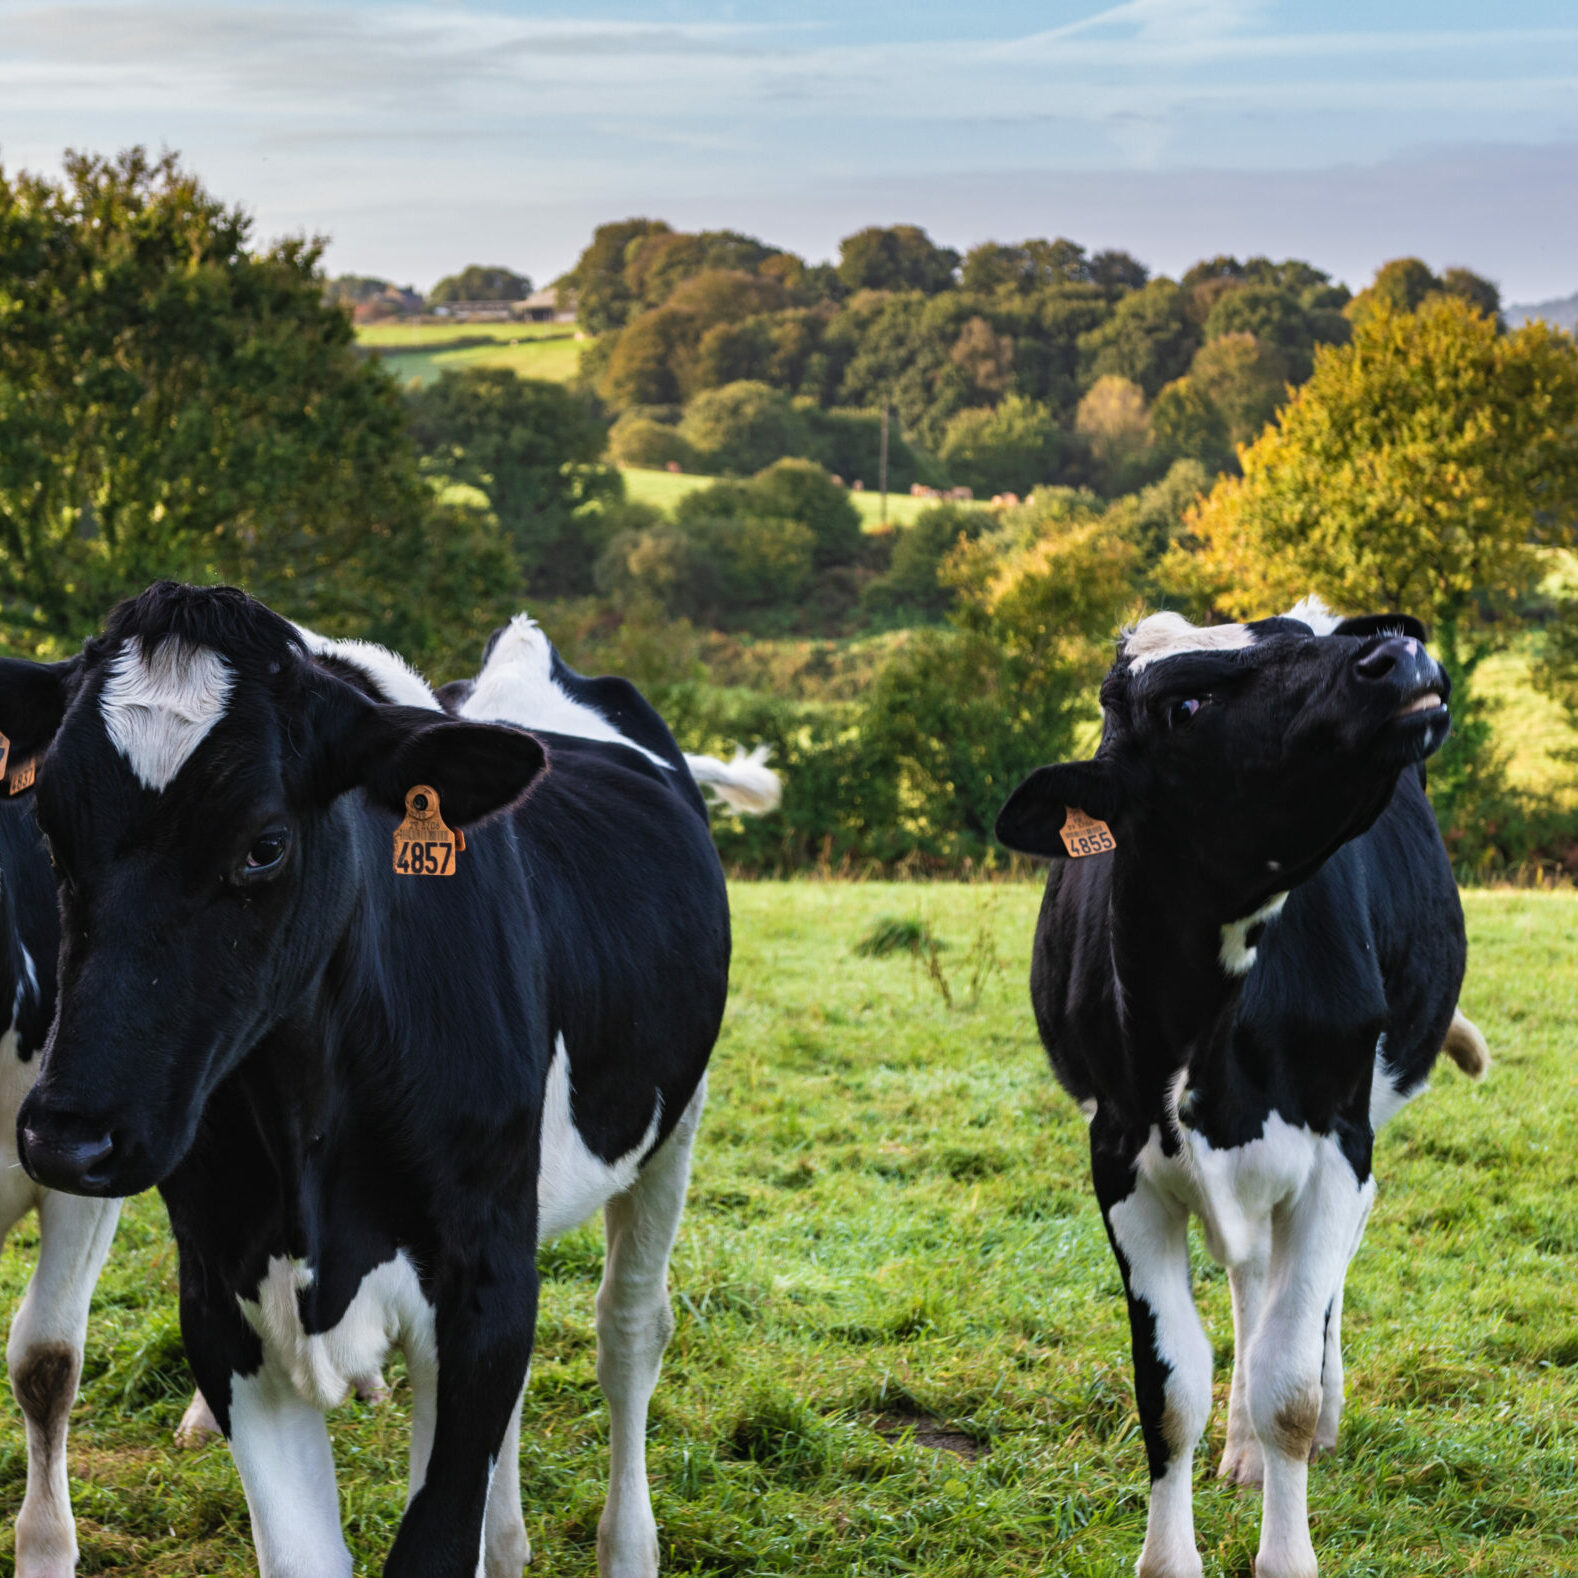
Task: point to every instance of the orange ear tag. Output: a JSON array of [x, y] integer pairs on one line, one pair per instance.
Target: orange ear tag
[[423, 846], [5, 753], [24, 775], [1085, 835]]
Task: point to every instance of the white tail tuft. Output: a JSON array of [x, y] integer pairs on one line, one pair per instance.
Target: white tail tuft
[[746, 784], [1466, 1046]]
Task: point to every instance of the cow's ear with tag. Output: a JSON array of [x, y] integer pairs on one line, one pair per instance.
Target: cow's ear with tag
[[1063, 812], [1383, 624], [476, 769], [33, 700]]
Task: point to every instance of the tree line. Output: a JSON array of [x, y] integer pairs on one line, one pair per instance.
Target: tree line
[[177, 400]]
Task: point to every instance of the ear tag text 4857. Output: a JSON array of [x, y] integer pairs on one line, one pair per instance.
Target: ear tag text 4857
[[1085, 835], [423, 845]]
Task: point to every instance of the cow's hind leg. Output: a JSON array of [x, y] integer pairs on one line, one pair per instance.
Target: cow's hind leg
[[45, 1356], [1172, 1358], [1242, 1460], [1313, 1236], [633, 1326]]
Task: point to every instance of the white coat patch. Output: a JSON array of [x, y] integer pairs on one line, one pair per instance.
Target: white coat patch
[[393, 678], [517, 686], [389, 1309], [1168, 635], [158, 710], [1237, 952], [573, 1183]]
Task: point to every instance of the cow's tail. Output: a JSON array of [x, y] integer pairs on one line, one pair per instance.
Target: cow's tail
[[746, 784], [1466, 1046]]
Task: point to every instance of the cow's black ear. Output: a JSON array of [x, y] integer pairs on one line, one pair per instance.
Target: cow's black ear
[[477, 768], [1387, 624], [1032, 821], [33, 698]]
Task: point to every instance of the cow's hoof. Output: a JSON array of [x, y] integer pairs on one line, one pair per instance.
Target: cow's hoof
[[198, 1426], [1243, 1464]]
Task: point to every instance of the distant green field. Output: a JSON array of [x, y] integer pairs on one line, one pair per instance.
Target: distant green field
[[666, 488], [544, 351], [901, 1346], [399, 336]]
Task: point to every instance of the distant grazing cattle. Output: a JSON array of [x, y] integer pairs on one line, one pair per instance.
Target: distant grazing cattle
[[1248, 956], [372, 1064]]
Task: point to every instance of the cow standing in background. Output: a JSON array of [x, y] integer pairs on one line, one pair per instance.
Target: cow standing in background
[[44, 1353], [367, 1096], [1248, 956]]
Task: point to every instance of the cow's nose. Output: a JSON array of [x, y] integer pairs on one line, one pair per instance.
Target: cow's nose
[[63, 1151], [1388, 655]]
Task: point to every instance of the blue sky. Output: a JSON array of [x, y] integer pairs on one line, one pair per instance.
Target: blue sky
[[422, 136]]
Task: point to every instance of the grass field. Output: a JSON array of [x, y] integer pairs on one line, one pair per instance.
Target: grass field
[[891, 1242], [666, 488], [420, 352]]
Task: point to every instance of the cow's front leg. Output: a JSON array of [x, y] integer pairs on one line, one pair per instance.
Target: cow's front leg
[[1331, 1375], [1313, 1236], [485, 1321], [1172, 1358], [45, 1358]]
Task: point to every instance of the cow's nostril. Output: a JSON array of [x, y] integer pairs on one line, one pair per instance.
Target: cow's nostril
[[1380, 660], [63, 1163]]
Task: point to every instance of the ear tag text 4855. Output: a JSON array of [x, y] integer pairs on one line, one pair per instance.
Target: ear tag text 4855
[[1085, 835], [24, 774], [423, 845]]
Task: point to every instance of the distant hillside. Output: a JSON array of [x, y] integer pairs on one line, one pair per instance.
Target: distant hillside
[[1562, 313]]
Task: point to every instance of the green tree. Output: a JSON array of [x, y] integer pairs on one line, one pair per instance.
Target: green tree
[[176, 403], [1149, 339], [743, 427], [895, 257], [1010, 449], [604, 297], [533, 448], [1425, 467], [478, 282], [912, 583], [800, 490]]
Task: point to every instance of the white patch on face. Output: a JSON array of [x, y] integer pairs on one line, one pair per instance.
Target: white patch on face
[[157, 711], [1237, 954], [389, 1309], [392, 677], [516, 686], [573, 1183], [1313, 612], [1171, 635]]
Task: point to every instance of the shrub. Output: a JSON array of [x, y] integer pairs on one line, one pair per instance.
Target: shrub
[[743, 427], [639, 441]]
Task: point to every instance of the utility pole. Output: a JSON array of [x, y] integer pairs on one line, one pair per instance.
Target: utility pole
[[882, 466]]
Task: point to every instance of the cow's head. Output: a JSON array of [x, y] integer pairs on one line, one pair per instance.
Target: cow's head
[[1241, 756], [190, 790]]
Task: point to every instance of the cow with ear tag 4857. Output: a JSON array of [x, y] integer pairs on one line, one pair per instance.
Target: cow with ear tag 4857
[[1248, 955], [367, 1095]]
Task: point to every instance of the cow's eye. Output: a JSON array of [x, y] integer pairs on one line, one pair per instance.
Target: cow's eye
[[1181, 713], [267, 853]]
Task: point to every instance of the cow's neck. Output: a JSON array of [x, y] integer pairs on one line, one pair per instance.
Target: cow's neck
[[1180, 966]]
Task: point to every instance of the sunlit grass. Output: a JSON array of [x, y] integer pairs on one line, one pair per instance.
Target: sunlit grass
[[890, 1218], [666, 488]]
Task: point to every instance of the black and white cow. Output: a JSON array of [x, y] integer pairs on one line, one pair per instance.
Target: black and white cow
[[45, 1348], [1247, 960], [367, 1097]]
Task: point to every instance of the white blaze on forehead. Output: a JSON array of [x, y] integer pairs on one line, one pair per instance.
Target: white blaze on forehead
[[389, 673], [158, 710], [1171, 635]]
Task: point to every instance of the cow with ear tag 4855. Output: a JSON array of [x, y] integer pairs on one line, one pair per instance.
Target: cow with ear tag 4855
[[1248, 955], [366, 1095]]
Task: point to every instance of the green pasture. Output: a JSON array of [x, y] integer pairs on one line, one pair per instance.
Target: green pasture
[[421, 352], [665, 489], [901, 1347]]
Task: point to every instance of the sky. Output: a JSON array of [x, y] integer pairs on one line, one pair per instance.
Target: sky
[[420, 137]]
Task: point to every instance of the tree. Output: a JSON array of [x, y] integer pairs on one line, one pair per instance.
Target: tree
[[895, 257], [1405, 284], [1113, 420], [532, 447], [1274, 318], [477, 282], [912, 580], [175, 403], [1010, 449], [800, 490], [1244, 378], [1424, 468], [743, 427], [1149, 339], [604, 298]]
